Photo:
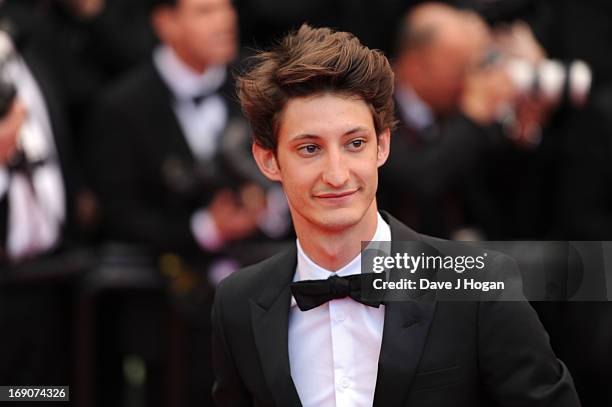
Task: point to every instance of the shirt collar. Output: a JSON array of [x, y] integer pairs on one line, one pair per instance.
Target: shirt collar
[[309, 270], [184, 82], [413, 108]]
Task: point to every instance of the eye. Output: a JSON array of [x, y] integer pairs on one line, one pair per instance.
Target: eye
[[356, 145], [308, 150]]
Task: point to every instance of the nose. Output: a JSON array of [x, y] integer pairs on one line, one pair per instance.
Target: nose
[[336, 172]]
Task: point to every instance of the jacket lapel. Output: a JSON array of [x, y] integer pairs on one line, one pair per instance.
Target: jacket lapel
[[404, 335], [163, 121], [270, 321]]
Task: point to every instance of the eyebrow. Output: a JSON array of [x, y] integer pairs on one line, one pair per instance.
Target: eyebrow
[[354, 130]]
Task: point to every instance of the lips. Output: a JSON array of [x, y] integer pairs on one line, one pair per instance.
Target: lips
[[336, 195]]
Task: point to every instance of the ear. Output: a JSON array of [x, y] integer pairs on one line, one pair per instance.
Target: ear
[[162, 20], [266, 161], [384, 145]]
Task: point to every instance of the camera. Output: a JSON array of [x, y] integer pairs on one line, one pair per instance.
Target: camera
[[232, 167], [552, 80]]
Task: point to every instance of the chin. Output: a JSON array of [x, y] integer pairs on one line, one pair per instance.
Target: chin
[[340, 219], [225, 54]]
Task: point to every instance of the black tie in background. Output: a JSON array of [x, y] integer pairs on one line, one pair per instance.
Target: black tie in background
[[310, 294], [198, 99]]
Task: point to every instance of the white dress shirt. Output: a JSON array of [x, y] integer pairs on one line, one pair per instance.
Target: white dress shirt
[[334, 348], [202, 123], [36, 209]]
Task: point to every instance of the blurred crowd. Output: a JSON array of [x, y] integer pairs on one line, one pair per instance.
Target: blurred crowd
[[122, 144]]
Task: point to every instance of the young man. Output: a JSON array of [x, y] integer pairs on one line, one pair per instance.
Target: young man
[[321, 108]]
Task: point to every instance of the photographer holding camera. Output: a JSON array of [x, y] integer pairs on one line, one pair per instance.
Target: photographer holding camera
[[168, 154], [464, 103], [167, 144]]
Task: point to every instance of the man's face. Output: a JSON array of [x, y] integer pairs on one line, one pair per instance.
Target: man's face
[[447, 62], [445, 70], [202, 32], [460, 41], [327, 160]]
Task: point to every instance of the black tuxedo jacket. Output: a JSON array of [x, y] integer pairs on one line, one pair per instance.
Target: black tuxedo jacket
[[141, 165], [433, 354]]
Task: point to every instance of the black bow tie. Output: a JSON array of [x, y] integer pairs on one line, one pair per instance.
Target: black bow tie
[[198, 99], [310, 294], [19, 163]]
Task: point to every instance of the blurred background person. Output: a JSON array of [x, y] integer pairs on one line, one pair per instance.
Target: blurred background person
[[38, 221], [84, 44], [168, 156], [569, 172], [168, 147], [39, 185], [447, 103], [467, 131]]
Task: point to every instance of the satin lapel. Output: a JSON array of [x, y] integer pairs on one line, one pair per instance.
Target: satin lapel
[[162, 120], [404, 335], [270, 321]]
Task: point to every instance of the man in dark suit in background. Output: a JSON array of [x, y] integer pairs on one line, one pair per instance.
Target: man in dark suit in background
[[38, 218], [157, 136], [446, 105], [168, 156], [321, 107]]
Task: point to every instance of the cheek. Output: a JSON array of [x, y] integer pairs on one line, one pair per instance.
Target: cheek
[[298, 184], [196, 29], [200, 35], [368, 171], [229, 20], [297, 196]]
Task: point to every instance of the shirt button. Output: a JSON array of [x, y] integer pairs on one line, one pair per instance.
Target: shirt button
[[345, 382], [340, 317]]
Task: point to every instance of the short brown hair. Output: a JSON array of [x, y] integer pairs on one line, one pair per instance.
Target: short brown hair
[[311, 61]]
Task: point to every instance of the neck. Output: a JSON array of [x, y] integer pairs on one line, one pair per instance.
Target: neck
[[415, 87], [192, 63], [333, 249]]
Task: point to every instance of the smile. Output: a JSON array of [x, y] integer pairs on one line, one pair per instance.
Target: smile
[[336, 196]]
